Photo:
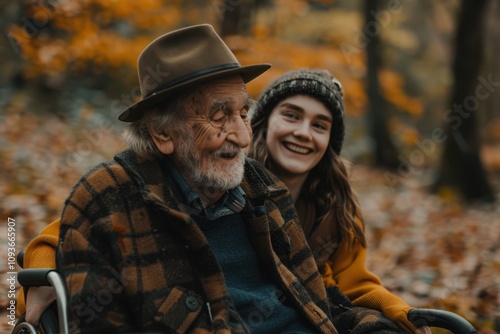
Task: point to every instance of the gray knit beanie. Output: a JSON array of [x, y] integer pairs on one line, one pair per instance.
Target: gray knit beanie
[[316, 83]]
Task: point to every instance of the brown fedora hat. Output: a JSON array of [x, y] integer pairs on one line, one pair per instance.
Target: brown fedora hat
[[181, 59]]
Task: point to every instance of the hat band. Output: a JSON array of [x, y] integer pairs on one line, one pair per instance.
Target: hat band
[[194, 74]]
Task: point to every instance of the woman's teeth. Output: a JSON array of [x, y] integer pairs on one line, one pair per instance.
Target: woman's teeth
[[297, 149]]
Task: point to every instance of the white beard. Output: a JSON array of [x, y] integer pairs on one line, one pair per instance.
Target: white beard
[[217, 177]]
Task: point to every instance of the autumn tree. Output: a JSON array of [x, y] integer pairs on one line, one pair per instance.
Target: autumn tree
[[10, 62], [461, 166], [92, 44], [236, 16], [385, 152]]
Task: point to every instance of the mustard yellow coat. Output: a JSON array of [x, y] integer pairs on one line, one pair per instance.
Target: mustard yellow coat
[[343, 265]]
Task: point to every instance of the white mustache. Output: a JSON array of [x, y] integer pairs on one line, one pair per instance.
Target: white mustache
[[229, 150]]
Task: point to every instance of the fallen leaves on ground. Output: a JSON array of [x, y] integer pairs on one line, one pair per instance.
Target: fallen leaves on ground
[[430, 252]]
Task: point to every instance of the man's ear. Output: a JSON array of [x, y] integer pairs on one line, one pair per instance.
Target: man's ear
[[163, 141]]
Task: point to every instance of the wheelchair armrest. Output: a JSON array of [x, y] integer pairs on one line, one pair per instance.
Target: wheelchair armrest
[[34, 277], [442, 319], [48, 277]]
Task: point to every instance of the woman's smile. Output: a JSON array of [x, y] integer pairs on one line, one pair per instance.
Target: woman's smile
[[296, 148]]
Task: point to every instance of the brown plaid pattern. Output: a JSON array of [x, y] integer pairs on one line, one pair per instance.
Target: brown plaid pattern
[[133, 262]]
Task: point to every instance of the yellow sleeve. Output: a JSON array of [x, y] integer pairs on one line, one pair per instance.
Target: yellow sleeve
[[347, 269], [40, 253]]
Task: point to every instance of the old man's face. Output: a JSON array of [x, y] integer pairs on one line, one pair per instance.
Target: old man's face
[[211, 158]]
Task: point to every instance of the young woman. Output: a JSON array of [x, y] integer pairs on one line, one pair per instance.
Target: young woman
[[298, 134]]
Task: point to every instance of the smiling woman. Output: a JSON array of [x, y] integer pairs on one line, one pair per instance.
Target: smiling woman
[[298, 135]]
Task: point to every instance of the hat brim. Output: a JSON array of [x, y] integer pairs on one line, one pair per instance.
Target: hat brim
[[134, 112]]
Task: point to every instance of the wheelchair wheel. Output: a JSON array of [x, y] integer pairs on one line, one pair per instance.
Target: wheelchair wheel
[[49, 323]]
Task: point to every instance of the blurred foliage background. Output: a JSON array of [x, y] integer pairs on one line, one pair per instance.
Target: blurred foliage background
[[421, 82]]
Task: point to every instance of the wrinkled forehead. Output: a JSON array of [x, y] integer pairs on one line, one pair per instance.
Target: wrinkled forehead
[[212, 94]]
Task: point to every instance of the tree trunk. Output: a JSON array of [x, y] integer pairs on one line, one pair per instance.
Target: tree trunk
[[236, 16], [230, 19], [386, 154], [11, 61], [461, 166]]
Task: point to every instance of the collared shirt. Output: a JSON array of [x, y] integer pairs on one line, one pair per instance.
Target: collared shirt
[[232, 201], [250, 286]]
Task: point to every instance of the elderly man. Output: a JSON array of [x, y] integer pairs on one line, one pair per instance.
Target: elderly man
[[181, 232]]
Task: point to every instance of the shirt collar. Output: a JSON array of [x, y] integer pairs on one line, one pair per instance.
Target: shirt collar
[[232, 201]]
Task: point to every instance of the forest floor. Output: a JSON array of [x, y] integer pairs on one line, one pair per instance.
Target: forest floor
[[432, 251]]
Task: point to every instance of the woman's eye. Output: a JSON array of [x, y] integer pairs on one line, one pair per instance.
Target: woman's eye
[[290, 115], [321, 126]]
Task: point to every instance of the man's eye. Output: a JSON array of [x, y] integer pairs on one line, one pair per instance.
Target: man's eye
[[218, 118], [244, 114]]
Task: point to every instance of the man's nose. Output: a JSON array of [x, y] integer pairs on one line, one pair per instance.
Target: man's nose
[[238, 131]]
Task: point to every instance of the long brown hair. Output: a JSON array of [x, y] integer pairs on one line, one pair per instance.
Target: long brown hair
[[328, 183]]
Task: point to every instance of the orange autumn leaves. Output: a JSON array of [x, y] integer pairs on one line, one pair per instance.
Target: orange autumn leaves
[[97, 37], [68, 37]]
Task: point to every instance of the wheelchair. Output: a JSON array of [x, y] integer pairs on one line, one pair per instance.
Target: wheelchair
[[55, 318]]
